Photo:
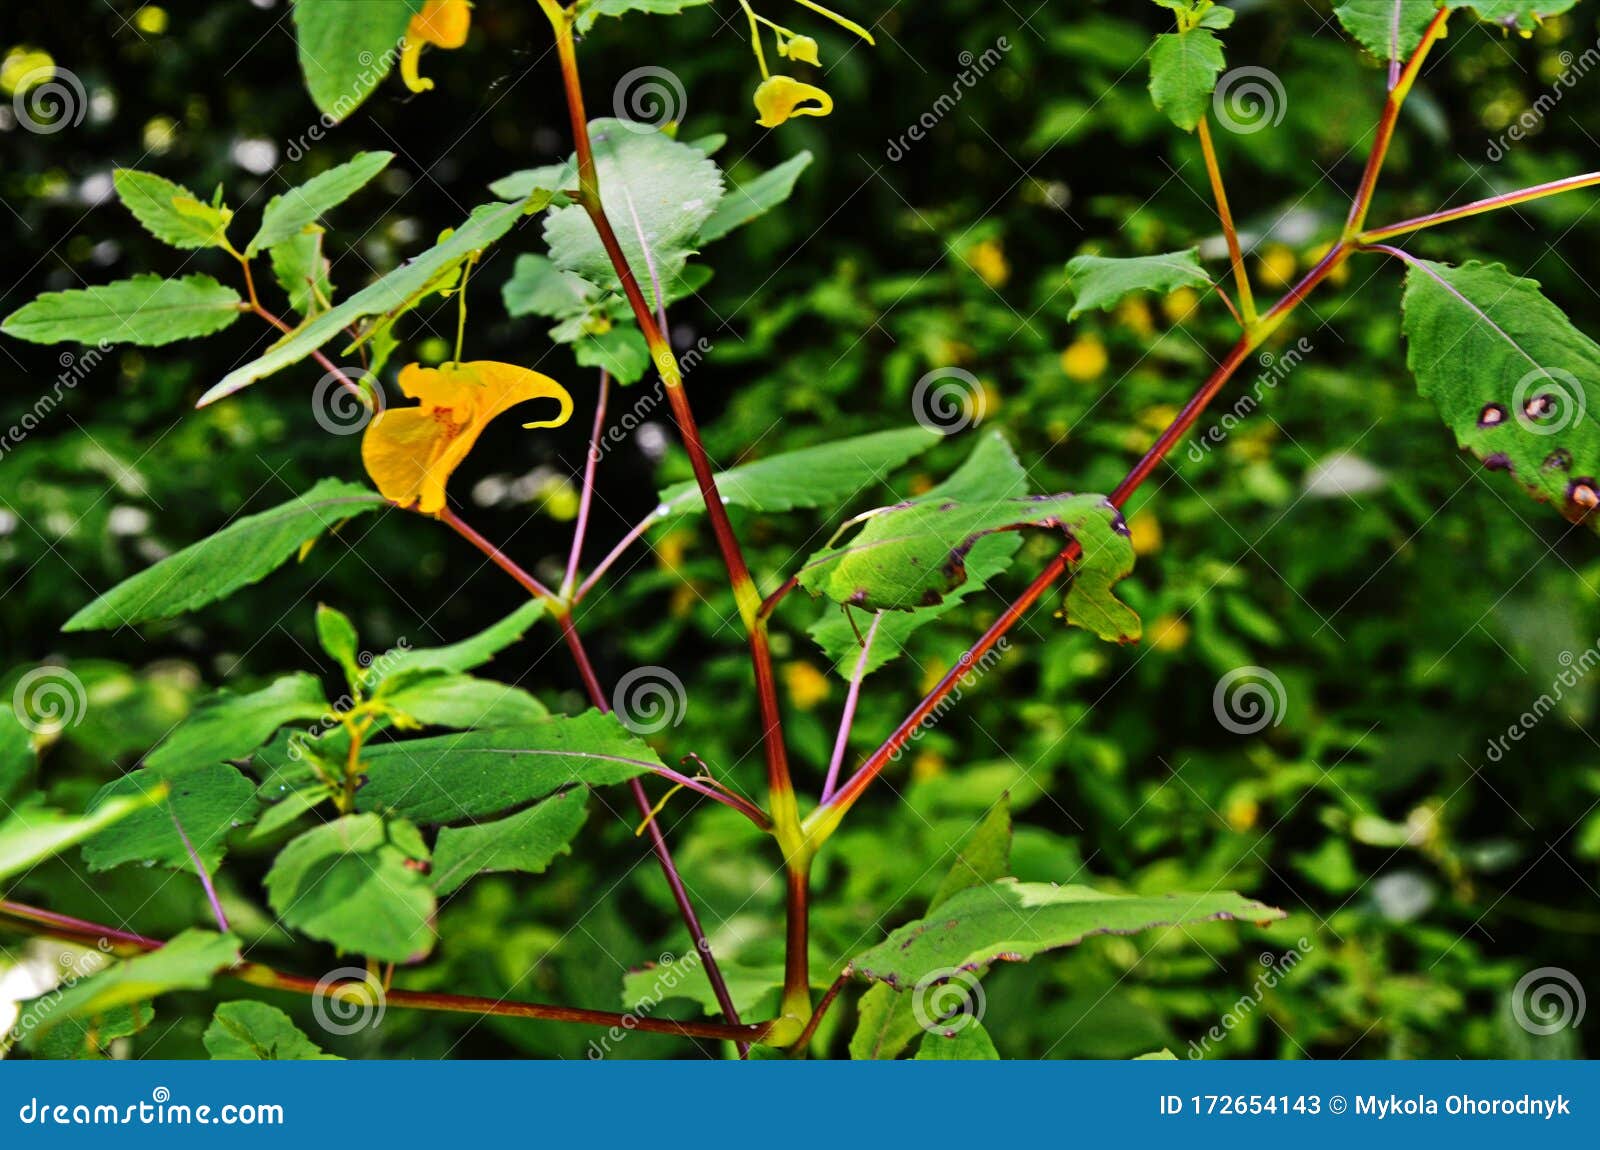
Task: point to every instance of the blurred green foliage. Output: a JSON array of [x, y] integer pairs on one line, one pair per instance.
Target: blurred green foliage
[[1412, 605]]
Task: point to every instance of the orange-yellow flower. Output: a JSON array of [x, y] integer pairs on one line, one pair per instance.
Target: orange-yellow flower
[[442, 23], [410, 452], [780, 97]]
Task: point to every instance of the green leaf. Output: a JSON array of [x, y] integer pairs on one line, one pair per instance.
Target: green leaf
[[347, 47], [527, 841], [1523, 14], [912, 554], [1184, 67], [450, 699], [1389, 29], [535, 184], [171, 212], [538, 287], [743, 203], [351, 883], [456, 777], [1099, 282], [146, 310], [1218, 17], [78, 1038], [207, 802], [826, 475], [463, 656], [337, 636], [303, 272], [229, 726], [1511, 376], [30, 834], [285, 810], [393, 292], [255, 1032], [189, 962], [991, 472], [658, 194], [1011, 921], [964, 1040], [622, 351], [1162, 1055], [244, 552], [290, 213], [591, 10], [17, 758]]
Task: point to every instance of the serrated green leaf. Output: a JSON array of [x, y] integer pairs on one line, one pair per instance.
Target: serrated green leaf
[[336, 634], [303, 272], [1100, 282], [290, 213], [591, 10], [350, 883], [146, 310], [1523, 14], [826, 475], [207, 802], [526, 842], [451, 699], [538, 287], [1011, 921], [393, 292], [229, 726], [189, 962], [749, 201], [169, 211], [1516, 382], [255, 1032], [91, 1038], [31, 834], [1389, 29], [347, 47], [463, 656], [455, 777], [1184, 67], [1217, 17], [657, 193], [963, 1040], [621, 351], [244, 552]]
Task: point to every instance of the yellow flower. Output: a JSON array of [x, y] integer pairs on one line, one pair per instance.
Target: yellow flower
[[807, 685], [1169, 633], [802, 48], [1084, 359], [410, 452], [442, 23], [988, 259], [1177, 305], [1276, 266], [780, 97]]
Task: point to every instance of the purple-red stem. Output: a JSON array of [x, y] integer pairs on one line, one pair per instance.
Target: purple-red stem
[[589, 466], [847, 718]]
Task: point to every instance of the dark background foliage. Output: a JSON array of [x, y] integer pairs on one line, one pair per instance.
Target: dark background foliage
[[1411, 605]]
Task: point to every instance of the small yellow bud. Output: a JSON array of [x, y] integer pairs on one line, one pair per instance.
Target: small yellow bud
[[1084, 359]]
